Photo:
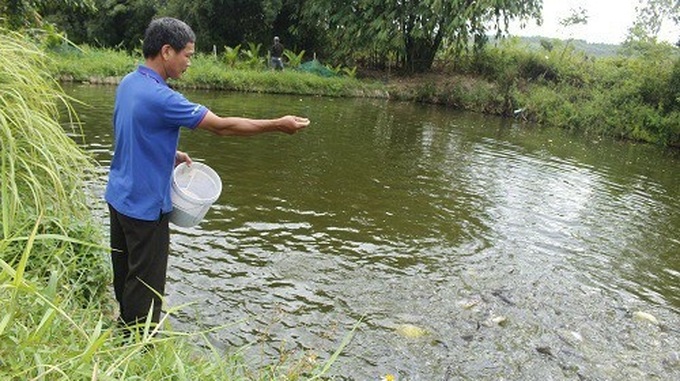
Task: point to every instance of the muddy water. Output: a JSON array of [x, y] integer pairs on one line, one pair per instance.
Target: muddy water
[[508, 251]]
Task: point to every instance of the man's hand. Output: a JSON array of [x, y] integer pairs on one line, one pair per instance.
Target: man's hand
[[291, 124], [182, 157]]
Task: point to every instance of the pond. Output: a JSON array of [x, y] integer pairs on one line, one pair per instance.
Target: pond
[[464, 246]]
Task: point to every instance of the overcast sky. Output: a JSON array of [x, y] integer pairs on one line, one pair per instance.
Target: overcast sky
[[608, 21]]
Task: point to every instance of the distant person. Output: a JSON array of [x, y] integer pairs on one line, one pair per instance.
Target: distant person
[[147, 119], [276, 52]]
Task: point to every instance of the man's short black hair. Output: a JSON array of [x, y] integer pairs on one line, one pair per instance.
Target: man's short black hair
[[166, 30]]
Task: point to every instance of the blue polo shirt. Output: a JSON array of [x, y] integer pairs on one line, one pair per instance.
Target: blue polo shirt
[[147, 118]]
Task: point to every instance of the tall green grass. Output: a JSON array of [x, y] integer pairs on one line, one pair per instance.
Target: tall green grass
[[42, 170]]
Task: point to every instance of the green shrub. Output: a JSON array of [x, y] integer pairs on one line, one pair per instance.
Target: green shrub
[[534, 68], [84, 63], [671, 101]]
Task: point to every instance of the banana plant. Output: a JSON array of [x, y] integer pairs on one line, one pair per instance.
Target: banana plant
[[252, 56], [231, 55], [335, 69], [350, 72], [294, 60]]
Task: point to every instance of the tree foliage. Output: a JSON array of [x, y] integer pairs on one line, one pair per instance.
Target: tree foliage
[[651, 16], [19, 14], [110, 23], [412, 31], [121, 23], [404, 33], [226, 22]]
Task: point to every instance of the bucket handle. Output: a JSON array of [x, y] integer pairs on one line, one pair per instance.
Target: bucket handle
[[191, 179]]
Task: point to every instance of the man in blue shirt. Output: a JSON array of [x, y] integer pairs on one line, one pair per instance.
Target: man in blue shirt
[[147, 119]]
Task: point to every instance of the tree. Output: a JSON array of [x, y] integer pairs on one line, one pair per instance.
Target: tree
[[226, 22], [20, 14], [109, 23], [651, 16], [576, 17], [121, 23], [412, 31], [297, 32]]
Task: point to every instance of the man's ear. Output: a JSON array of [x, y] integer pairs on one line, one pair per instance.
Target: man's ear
[[165, 51]]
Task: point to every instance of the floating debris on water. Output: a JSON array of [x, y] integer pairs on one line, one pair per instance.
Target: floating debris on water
[[469, 303], [501, 295], [500, 320], [544, 350], [495, 320], [410, 331], [644, 316], [572, 338], [577, 336]]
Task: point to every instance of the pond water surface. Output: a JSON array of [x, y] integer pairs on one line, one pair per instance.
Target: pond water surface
[[468, 247]]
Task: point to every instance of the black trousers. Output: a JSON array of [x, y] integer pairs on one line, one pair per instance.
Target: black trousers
[[139, 254]]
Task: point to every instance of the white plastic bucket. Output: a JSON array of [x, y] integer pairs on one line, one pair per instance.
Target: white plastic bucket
[[194, 189]]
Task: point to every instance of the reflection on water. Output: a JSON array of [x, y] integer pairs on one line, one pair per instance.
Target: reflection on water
[[522, 252]]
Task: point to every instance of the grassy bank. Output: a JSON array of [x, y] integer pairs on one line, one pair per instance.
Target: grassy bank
[[207, 72], [634, 96], [56, 309]]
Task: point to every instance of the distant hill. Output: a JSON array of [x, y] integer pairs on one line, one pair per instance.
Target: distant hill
[[595, 50]]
